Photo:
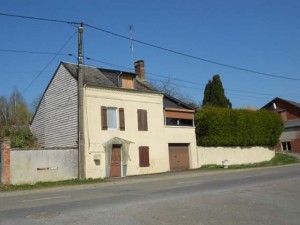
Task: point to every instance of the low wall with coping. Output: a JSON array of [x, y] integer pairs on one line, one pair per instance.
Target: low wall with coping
[[23, 166], [234, 155], [31, 166]]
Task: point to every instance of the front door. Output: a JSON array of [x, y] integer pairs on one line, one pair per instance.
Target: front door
[[115, 164]]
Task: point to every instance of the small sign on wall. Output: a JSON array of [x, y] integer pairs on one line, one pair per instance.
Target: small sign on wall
[[47, 168]]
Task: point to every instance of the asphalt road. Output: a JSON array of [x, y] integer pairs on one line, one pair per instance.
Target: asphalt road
[[259, 196]]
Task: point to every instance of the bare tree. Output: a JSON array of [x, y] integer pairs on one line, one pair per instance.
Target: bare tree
[[169, 87], [3, 111], [18, 110], [35, 103]]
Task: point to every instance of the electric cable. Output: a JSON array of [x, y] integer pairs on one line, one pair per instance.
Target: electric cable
[[34, 52], [181, 80], [39, 18], [155, 46], [192, 56], [48, 64]]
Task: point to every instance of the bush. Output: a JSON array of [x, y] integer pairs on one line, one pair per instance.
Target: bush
[[238, 127], [21, 136]]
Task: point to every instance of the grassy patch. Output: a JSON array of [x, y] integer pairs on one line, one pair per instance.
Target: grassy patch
[[40, 185], [279, 159], [212, 166]]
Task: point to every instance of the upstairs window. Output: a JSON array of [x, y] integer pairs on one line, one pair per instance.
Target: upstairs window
[[179, 122], [127, 82], [109, 119], [142, 120], [179, 117]]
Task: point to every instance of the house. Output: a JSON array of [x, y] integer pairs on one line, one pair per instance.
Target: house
[[130, 128], [290, 113]]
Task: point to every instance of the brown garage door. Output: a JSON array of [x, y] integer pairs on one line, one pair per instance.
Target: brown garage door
[[179, 157]]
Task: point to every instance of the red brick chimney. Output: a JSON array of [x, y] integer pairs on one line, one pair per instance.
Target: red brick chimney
[[139, 67]]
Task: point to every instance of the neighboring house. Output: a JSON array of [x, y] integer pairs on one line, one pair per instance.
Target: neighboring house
[[130, 128], [290, 113]]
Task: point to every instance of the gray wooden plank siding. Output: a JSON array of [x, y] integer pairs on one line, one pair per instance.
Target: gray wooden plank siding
[[289, 134], [55, 122]]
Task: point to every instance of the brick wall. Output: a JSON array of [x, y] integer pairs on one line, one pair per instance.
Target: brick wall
[[278, 147], [5, 161], [295, 145], [292, 112]]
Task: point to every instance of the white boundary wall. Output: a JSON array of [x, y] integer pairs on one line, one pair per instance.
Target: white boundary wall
[[31, 166], [234, 155]]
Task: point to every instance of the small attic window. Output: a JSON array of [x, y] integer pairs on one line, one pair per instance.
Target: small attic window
[[127, 81]]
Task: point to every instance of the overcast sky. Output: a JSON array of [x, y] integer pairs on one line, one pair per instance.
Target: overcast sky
[[257, 35]]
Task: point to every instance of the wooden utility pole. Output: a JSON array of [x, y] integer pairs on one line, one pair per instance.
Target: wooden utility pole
[[81, 144]]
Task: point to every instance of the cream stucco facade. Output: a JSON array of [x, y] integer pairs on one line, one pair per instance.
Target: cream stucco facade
[[234, 155], [157, 137]]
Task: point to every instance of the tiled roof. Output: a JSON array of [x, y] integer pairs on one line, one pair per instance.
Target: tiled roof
[[292, 103], [291, 123], [270, 104], [105, 77]]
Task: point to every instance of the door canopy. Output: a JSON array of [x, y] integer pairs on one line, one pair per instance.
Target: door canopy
[[124, 149]]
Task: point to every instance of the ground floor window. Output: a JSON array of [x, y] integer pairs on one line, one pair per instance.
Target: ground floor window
[[286, 146], [144, 156]]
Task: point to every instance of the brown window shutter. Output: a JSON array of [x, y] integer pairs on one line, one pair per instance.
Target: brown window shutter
[[139, 111], [145, 120], [141, 156], [122, 118], [104, 117], [142, 120], [144, 156]]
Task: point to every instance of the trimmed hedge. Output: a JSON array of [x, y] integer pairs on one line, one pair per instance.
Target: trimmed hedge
[[238, 127]]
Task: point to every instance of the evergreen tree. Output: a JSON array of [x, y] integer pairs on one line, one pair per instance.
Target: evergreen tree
[[214, 94]]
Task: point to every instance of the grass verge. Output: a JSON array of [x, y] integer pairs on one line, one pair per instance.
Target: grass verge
[[279, 159], [40, 185]]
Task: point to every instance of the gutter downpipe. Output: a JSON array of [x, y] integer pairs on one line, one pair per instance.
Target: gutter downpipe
[[120, 73]]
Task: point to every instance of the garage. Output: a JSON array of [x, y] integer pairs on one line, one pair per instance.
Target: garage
[[179, 157]]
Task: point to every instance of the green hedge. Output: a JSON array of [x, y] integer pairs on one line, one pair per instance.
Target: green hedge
[[238, 127]]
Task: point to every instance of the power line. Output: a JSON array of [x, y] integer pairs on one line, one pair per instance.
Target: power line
[[227, 92], [107, 63], [115, 65], [155, 46], [52, 59], [34, 52], [181, 80], [192, 56], [39, 18]]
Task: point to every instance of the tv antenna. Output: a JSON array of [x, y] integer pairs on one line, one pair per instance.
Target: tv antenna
[[131, 45]]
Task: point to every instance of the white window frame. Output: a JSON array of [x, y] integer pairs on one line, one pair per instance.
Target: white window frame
[[110, 109], [286, 146]]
